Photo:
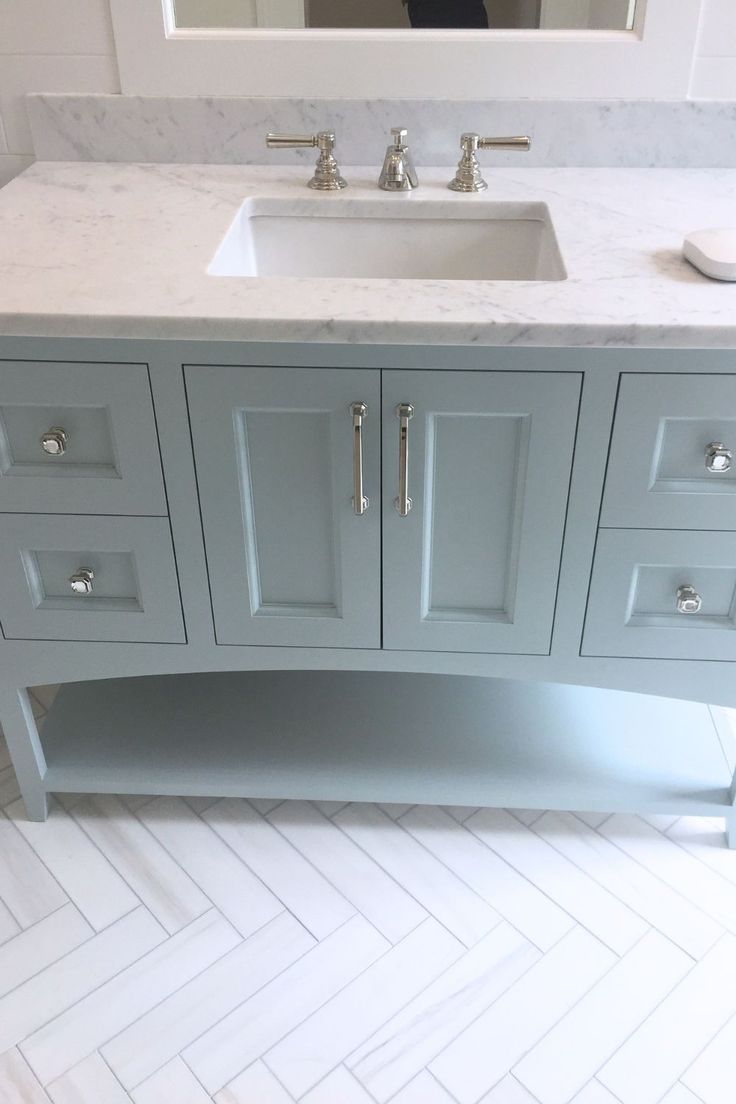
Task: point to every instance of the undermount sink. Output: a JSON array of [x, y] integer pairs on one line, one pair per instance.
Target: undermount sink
[[331, 236]]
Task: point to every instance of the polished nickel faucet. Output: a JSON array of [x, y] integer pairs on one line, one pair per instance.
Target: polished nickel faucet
[[327, 176], [398, 173], [468, 177]]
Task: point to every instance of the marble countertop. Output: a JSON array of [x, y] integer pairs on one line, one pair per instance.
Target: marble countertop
[[121, 250]]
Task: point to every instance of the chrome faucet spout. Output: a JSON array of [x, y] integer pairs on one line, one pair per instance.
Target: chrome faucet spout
[[398, 173]]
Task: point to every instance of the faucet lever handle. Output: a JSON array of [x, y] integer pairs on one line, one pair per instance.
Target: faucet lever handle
[[468, 177], [327, 176]]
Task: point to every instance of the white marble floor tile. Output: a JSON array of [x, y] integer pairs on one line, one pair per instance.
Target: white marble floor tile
[[9, 926], [476, 1061], [569, 1055], [229, 883], [334, 1031], [329, 808], [712, 1076], [297, 993], [17, 1083], [9, 788], [679, 1094], [97, 890], [382, 901], [705, 839], [441, 893], [339, 1087], [160, 883], [36, 948], [509, 1091], [410, 1040], [63, 1042], [675, 866], [590, 904], [669, 912], [422, 1090], [26, 888], [159, 1035], [460, 813], [91, 1082], [595, 1093], [514, 897], [36, 1003], [288, 875], [593, 820], [174, 1084], [4, 753], [666, 1044], [256, 1085]]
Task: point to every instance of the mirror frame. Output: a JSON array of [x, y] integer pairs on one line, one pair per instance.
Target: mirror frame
[[652, 61]]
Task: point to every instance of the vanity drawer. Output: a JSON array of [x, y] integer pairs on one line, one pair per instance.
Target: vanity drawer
[[640, 576], [78, 438], [662, 471], [126, 564]]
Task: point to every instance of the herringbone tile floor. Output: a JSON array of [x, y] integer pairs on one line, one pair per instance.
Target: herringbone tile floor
[[177, 952]]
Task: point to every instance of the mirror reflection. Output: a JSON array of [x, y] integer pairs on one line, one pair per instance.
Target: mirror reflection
[[392, 14]]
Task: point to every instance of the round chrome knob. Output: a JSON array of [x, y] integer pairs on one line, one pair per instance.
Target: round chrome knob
[[54, 441], [718, 458], [688, 600], [81, 581]]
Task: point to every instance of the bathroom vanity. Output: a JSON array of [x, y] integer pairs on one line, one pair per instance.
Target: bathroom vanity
[[356, 537]]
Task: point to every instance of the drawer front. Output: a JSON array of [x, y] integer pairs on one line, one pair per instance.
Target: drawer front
[[662, 472], [97, 423], [88, 578], [640, 576]]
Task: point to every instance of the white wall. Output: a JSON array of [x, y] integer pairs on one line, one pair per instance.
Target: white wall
[[714, 75], [48, 46]]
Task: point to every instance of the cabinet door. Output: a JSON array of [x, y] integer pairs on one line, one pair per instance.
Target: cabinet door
[[290, 561], [474, 564]]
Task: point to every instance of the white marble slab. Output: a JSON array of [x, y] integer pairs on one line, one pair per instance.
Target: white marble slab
[[674, 133], [122, 251]]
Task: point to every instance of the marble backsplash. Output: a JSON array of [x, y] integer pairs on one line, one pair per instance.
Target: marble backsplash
[[683, 134]]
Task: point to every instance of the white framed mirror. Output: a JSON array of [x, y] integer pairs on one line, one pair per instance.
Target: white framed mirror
[[651, 56], [609, 15]]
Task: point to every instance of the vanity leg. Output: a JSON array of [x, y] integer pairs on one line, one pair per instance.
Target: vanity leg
[[19, 727]]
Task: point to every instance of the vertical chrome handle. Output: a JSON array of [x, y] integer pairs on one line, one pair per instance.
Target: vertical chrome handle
[[404, 412], [358, 411]]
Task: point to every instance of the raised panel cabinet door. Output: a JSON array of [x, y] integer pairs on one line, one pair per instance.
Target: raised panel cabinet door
[[474, 563], [291, 561]]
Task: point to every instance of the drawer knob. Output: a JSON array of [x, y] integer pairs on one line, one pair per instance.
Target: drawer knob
[[688, 600], [82, 580], [718, 458], [54, 441]]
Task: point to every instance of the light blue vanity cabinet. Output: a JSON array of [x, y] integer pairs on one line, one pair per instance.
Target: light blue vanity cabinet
[[465, 575]]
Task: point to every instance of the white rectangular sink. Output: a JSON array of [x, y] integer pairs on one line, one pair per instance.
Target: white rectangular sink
[[403, 238]]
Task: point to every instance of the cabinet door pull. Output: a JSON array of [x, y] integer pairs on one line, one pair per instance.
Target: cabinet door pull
[[358, 411], [404, 411]]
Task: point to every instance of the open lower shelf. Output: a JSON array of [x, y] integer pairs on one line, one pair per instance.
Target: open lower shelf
[[370, 736]]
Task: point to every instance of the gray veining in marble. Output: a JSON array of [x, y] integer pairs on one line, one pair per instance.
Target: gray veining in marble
[[122, 251], [666, 134]]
